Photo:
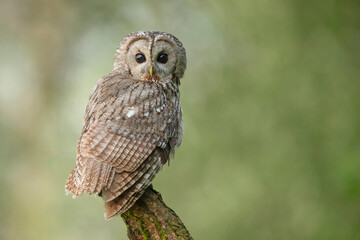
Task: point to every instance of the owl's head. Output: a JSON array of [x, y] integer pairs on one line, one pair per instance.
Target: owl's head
[[151, 55]]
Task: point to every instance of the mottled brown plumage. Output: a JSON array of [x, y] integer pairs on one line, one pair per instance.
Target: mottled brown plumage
[[132, 123]]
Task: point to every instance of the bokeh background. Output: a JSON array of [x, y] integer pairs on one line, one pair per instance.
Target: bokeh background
[[271, 107]]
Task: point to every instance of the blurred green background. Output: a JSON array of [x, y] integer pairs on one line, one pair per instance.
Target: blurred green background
[[271, 105]]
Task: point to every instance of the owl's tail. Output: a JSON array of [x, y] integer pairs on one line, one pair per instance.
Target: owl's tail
[[89, 176], [121, 204]]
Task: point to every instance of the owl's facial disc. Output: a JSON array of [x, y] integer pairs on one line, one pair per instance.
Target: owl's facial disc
[[152, 61], [151, 55]]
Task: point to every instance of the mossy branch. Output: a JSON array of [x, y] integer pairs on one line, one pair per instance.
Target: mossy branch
[[150, 218]]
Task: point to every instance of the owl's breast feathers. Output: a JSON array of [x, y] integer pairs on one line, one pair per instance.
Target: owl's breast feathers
[[130, 128]]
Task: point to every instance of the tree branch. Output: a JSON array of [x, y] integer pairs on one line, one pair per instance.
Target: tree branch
[[150, 218]]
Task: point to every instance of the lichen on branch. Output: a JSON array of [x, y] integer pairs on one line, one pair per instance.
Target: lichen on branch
[[150, 218]]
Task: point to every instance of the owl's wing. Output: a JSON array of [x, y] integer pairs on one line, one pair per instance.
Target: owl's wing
[[120, 204], [125, 121]]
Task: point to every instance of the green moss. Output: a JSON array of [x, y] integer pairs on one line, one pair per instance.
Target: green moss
[[175, 229], [143, 231], [162, 233]]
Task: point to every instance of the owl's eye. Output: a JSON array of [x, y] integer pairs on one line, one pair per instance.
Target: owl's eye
[[162, 58], [140, 58]]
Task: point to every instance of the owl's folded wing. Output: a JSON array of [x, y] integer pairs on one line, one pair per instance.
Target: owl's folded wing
[[120, 132]]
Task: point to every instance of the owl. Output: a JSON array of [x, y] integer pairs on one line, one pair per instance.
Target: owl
[[133, 121]]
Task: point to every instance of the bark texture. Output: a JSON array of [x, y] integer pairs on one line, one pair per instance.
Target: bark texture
[[150, 218]]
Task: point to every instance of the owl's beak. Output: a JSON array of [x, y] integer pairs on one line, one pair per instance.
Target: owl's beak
[[152, 76], [151, 71]]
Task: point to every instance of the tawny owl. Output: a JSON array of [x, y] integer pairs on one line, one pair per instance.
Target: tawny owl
[[133, 121]]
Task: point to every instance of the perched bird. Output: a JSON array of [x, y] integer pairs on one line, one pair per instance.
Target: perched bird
[[133, 121]]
